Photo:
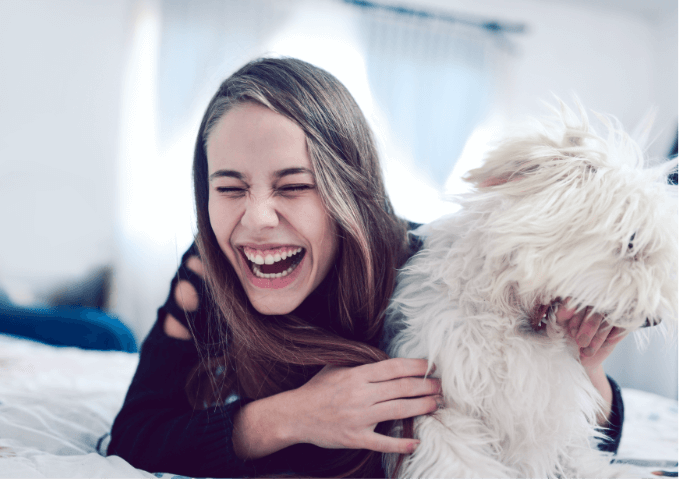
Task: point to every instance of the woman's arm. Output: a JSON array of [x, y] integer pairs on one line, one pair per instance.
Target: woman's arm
[[597, 340], [339, 408], [157, 429]]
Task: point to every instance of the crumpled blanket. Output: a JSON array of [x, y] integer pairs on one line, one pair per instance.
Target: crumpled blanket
[[57, 403]]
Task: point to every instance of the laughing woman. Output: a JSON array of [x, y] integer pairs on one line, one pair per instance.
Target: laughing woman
[[264, 358]]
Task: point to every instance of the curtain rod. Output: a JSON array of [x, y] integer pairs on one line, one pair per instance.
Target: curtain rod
[[491, 25]]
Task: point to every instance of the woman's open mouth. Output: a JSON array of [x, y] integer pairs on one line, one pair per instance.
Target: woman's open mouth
[[273, 263]]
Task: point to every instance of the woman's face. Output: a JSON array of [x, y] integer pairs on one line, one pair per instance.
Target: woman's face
[[265, 209]]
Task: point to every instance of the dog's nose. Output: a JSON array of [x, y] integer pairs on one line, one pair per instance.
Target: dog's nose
[[648, 323]]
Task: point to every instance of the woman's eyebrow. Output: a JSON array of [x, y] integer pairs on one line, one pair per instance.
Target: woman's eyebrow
[[292, 171], [226, 173]]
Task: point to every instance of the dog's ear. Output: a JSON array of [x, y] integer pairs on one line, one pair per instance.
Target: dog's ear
[[541, 152], [521, 164], [482, 179]]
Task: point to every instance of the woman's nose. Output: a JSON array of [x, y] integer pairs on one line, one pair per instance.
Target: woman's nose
[[260, 212]]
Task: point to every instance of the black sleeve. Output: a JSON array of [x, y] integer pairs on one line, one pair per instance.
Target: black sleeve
[[613, 430], [157, 429]]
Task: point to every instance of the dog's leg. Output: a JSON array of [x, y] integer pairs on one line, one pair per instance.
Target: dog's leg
[[453, 445]]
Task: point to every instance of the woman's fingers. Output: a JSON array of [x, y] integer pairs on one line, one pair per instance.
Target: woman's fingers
[[597, 357], [407, 388], [588, 328], [385, 444], [340, 407], [582, 325], [564, 312], [598, 339], [614, 336], [576, 321], [405, 408], [395, 368]]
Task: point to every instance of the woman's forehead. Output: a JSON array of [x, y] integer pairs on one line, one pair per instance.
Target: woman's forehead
[[253, 137]]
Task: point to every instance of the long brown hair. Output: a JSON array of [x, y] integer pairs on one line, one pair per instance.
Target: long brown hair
[[247, 355]]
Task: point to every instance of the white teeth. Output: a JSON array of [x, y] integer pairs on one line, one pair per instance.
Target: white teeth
[[271, 259], [259, 273], [258, 259]]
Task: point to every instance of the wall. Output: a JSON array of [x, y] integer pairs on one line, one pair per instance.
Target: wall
[[59, 117], [615, 60]]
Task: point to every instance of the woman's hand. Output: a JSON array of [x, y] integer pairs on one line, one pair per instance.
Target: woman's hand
[[339, 408], [594, 336], [349, 402]]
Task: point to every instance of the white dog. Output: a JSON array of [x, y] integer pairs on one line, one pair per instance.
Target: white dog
[[556, 212]]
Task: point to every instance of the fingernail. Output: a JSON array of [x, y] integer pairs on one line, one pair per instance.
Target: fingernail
[[433, 368], [587, 352], [440, 403], [412, 447], [582, 340]]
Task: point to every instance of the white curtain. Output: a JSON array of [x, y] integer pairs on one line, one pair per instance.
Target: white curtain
[[433, 79]]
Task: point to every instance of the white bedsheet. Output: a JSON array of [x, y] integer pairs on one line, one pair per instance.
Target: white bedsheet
[[55, 403]]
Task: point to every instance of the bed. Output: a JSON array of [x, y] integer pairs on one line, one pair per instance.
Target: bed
[[57, 402]]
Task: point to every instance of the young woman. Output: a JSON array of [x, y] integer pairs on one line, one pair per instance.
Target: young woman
[[265, 359]]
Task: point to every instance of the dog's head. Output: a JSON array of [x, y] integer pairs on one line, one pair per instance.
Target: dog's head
[[574, 214]]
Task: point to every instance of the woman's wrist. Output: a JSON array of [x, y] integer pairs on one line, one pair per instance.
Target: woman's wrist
[[265, 426], [600, 382]]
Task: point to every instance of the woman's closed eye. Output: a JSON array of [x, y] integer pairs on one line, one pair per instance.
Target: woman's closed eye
[[295, 188], [233, 191], [292, 189]]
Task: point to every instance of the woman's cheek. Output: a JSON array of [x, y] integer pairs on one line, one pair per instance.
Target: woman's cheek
[[219, 220]]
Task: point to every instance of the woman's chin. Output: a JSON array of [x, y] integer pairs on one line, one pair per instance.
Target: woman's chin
[[268, 309]]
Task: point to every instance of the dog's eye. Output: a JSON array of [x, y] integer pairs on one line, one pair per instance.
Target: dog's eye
[[630, 245]]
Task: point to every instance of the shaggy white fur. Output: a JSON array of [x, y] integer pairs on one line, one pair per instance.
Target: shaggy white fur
[[557, 211]]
